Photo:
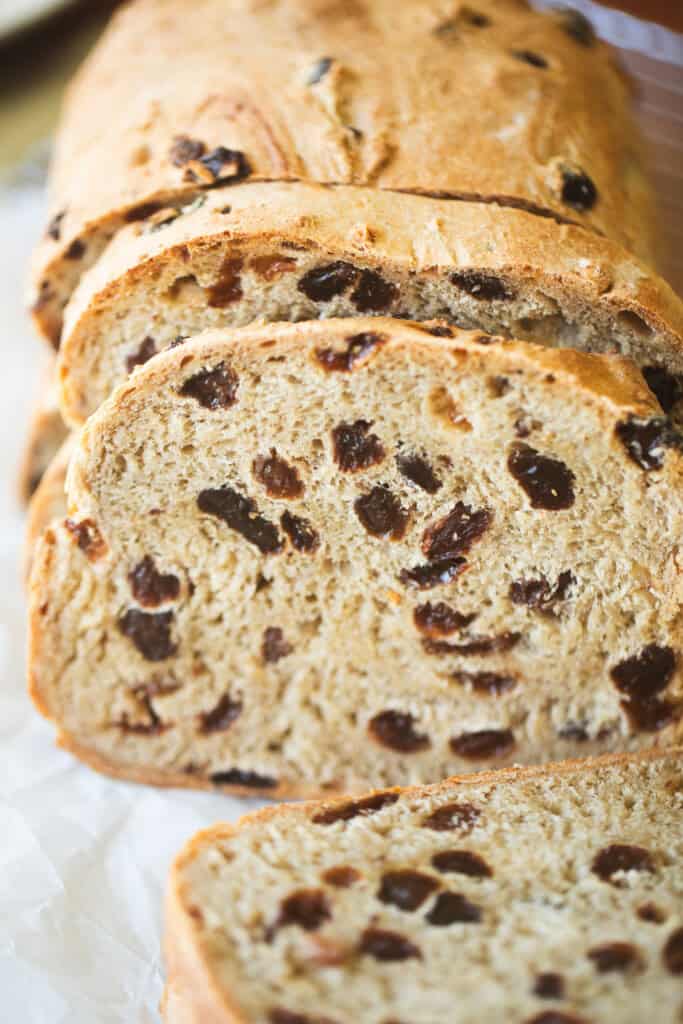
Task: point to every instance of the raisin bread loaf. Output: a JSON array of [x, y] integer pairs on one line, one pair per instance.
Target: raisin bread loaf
[[294, 251], [48, 501], [46, 433], [308, 558], [516, 897], [489, 101]]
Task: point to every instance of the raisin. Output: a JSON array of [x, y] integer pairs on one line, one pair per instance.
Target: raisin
[[227, 288], [481, 286], [185, 149], [490, 684], [151, 588], [549, 985], [578, 191], [477, 645], [319, 70], [214, 389], [419, 472], [387, 946], [641, 678], [577, 25], [538, 594], [300, 532], [358, 348], [355, 808], [373, 293], [355, 448], [482, 744], [645, 674], [672, 954], [529, 57], [424, 577], [461, 862], [341, 877], [274, 646], [237, 777], [453, 908], [396, 730], [307, 909], [281, 1016], [667, 387], [555, 1017], [279, 478], [651, 912], [220, 165], [548, 482], [142, 354], [153, 726], [322, 283], [406, 889], [453, 817], [381, 513], [239, 512], [88, 537], [646, 441], [220, 717], [615, 956], [150, 633], [272, 267], [75, 251], [621, 857], [455, 533], [54, 227], [440, 619]]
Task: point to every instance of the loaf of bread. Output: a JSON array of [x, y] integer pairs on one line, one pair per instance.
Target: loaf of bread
[[294, 251], [488, 101], [46, 433], [304, 558], [517, 897]]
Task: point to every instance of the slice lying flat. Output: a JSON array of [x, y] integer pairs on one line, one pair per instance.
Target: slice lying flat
[[317, 557], [518, 897]]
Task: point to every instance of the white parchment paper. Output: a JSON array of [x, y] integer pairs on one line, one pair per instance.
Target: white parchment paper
[[83, 859]]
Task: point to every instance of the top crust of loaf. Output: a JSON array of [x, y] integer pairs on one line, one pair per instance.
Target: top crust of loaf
[[196, 993], [366, 93]]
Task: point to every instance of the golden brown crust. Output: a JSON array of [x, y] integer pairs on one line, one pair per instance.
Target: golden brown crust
[[46, 433], [48, 501], [402, 83]]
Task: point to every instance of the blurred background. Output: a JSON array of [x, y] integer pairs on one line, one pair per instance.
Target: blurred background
[[80, 888]]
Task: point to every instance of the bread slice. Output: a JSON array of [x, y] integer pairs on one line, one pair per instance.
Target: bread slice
[[297, 252], [321, 556], [47, 431], [489, 101], [48, 501], [539, 896]]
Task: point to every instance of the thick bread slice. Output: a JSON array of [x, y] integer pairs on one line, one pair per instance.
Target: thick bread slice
[[516, 897], [294, 251], [313, 557], [490, 100], [47, 430]]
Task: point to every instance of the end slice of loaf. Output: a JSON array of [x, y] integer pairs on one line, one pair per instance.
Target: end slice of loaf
[[516, 897], [47, 430], [315, 557], [294, 251]]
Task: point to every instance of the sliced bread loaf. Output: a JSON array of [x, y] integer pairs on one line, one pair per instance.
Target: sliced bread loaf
[[293, 251], [516, 897], [319, 556]]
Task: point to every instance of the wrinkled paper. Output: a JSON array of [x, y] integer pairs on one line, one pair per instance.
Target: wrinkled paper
[[84, 859]]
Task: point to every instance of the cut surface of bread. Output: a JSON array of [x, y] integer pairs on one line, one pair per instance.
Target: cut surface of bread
[[321, 556], [518, 897], [293, 251], [491, 101]]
